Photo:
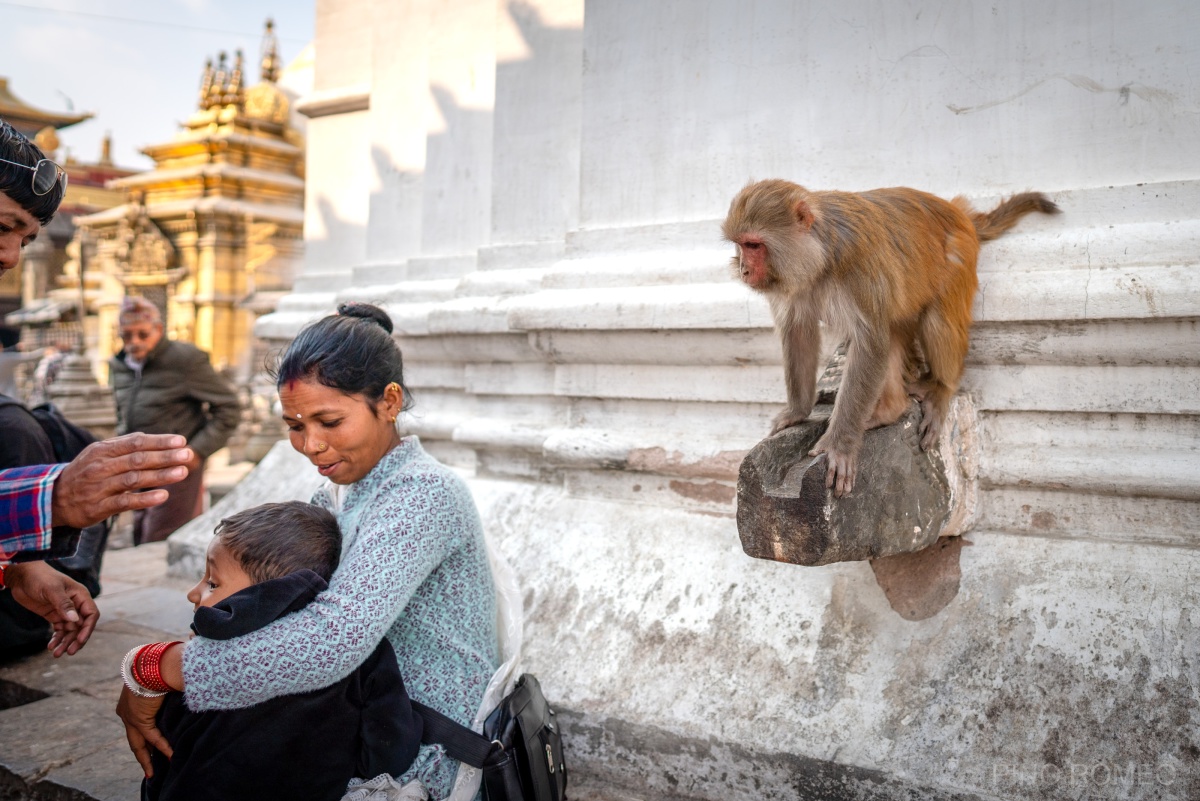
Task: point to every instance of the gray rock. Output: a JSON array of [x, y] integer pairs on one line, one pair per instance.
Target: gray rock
[[900, 502], [110, 774]]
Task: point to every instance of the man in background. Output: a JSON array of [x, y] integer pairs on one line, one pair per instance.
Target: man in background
[[167, 387]]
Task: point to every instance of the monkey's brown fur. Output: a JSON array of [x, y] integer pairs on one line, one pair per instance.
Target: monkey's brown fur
[[889, 269]]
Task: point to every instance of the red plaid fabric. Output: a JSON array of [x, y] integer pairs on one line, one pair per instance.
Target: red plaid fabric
[[25, 515]]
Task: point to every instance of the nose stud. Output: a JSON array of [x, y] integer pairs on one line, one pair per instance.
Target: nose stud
[[324, 446]]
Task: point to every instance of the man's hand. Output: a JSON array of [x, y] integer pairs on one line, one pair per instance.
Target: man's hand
[[104, 480], [195, 463], [59, 598]]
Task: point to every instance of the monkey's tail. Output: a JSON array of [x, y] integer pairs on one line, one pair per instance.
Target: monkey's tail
[[1005, 216]]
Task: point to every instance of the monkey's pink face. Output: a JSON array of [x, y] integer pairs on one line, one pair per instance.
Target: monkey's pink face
[[752, 260]]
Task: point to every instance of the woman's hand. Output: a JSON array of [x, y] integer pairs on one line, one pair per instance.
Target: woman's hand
[[137, 713]]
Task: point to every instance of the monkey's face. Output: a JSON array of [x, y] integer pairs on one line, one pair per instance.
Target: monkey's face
[[761, 223], [753, 264]]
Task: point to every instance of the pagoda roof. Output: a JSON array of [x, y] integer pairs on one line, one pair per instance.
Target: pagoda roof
[[224, 171], [229, 207], [206, 137], [29, 119]]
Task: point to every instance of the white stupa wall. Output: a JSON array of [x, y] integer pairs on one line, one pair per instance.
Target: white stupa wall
[[533, 190]]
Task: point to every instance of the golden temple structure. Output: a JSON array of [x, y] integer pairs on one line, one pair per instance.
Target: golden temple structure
[[213, 234]]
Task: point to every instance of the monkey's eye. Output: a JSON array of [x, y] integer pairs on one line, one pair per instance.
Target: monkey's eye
[[751, 245]]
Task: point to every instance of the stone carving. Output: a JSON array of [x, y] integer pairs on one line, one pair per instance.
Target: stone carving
[[143, 249]]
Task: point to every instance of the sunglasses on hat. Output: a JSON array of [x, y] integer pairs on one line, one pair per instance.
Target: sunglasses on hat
[[45, 175]]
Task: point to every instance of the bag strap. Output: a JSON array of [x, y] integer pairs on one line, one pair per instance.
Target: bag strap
[[460, 742]]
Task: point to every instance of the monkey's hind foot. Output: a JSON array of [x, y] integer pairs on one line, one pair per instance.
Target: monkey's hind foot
[[933, 415], [934, 399]]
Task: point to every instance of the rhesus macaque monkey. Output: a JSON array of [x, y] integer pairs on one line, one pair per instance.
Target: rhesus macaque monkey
[[889, 269]]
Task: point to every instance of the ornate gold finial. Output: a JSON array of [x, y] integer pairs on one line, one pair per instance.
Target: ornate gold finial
[[106, 150], [216, 92], [47, 140], [206, 82], [233, 89], [270, 54]]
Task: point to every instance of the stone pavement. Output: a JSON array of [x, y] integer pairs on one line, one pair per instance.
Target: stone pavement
[[59, 736]]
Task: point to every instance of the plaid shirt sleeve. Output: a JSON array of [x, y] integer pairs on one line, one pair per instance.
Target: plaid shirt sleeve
[[25, 517]]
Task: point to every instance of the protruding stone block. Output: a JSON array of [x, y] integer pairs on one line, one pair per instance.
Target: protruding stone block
[[900, 503]]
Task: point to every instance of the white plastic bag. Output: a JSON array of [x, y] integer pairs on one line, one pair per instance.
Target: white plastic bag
[[384, 788], [510, 631]]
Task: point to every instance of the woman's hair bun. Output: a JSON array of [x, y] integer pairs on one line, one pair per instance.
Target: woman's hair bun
[[365, 311]]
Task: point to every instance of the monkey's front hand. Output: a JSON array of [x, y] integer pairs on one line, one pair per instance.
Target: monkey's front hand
[[841, 464], [788, 418]]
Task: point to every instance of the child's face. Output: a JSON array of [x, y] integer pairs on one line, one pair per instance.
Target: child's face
[[223, 576]]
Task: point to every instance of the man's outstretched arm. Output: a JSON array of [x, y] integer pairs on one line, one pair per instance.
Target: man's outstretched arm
[[104, 480]]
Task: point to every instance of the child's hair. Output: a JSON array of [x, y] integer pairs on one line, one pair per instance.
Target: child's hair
[[274, 539]]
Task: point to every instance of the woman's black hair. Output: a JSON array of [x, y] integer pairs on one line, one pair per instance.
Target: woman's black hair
[[17, 182], [351, 351]]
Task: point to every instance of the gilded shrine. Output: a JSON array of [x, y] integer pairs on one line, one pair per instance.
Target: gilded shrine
[[213, 234]]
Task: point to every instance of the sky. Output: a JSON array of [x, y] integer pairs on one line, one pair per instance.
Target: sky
[[136, 64]]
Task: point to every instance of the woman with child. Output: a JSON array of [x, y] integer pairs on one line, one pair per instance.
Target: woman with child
[[263, 563], [414, 565]]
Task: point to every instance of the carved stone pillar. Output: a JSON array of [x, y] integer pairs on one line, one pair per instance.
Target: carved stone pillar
[[82, 399]]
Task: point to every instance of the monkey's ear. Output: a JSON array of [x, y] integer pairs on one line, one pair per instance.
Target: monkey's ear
[[804, 215]]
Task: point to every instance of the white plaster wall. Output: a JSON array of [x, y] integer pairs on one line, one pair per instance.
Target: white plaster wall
[[959, 97], [458, 165], [538, 122], [338, 162], [336, 211], [400, 36], [536, 202], [342, 33]]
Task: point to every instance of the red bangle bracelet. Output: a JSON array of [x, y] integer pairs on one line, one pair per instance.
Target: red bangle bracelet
[[146, 666]]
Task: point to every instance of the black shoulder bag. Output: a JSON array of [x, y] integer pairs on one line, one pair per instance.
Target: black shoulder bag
[[520, 750]]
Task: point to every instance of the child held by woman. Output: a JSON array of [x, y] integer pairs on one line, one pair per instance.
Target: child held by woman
[[263, 564]]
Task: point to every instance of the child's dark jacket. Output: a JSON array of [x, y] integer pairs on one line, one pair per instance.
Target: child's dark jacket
[[297, 747]]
